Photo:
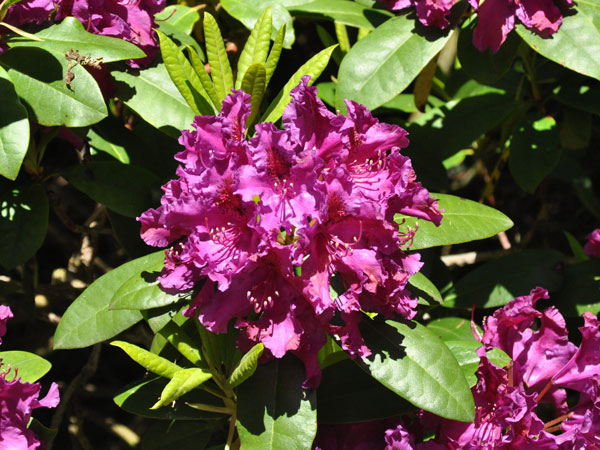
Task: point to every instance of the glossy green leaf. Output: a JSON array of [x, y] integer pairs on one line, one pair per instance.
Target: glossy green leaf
[[153, 87], [220, 69], [421, 282], [117, 151], [207, 83], [583, 96], [381, 65], [452, 329], [23, 222], [139, 398], [343, 11], [246, 367], [39, 79], [28, 366], [465, 353], [158, 318], [313, 68], [575, 44], [14, 128], [348, 395], [497, 282], [150, 361], [88, 320], [126, 189], [254, 84], [275, 53], [331, 353], [180, 17], [576, 247], [184, 76], [257, 46], [184, 344], [69, 34], [410, 360], [534, 151], [274, 411], [463, 221], [182, 382]]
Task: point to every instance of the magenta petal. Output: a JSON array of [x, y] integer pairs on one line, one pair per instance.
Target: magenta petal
[[543, 16], [434, 12], [592, 246], [495, 19], [5, 314]]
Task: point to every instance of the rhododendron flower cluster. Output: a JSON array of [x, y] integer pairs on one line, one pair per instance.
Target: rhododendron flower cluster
[[129, 20], [544, 365], [592, 246], [17, 401], [430, 12], [273, 221]]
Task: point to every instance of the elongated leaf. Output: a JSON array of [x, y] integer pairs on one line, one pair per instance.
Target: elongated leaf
[[343, 11], [463, 221], [421, 282], [23, 222], [184, 76], [154, 87], [39, 79], [313, 68], [14, 128], [257, 46], [181, 17], [452, 329], [411, 361], [182, 382], [184, 344], [139, 398], [88, 320], [69, 34], [579, 292], [29, 367], [381, 65], [534, 151], [254, 84], [274, 411], [575, 44], [275, 53], [142, 291], [99, 143], [348, 395], [154, 363], [207, 83], [220, 69], [246, 367], [498, 282], [126, 189], [465, 353]]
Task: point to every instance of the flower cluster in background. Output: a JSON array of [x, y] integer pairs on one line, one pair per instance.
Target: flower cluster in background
[[17, 402], [592, 246], [273, 222]]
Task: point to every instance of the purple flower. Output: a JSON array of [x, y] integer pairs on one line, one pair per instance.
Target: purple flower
[[5, 314], [430, 12], [496, 18], [592, 246], [27, 11]]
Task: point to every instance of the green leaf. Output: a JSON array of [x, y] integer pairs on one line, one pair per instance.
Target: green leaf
[[182, 382], [115, 150], [254, 84], [148, 360], [182, 435], [348, 395], [580, 291], [465, 353], [220, 69], [126, 189], [576, 247], [274, 411], [463, 221], [421, 282], [414, 363], [181, 17], [275, 53], [257, 46], [154, 87], [14, 128], [28, 366], [39, 79], [313, 68], [452, 329], [381, 65], [576, 43], [498, 282], [23, 222], [88, 320], [486, 67], [343, 11], [583, 96], [246, 367], [184, 344], [158, 318], [207, 83], [534, 151], [331, 353], [139, 398], [184, 76], [69, 34]]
